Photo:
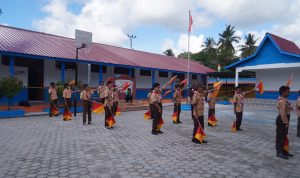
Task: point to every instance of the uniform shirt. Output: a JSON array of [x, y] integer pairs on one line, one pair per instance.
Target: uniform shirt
[[108, 97], [211, 101], [198, 102], [53, 93], [155, 98], [177, 96], [115, 96], [101, 90], [239, 100], [86, 95], [283, 109], [67, 93], [298, 106]]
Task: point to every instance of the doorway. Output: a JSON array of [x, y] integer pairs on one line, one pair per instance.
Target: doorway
[[35, 80]]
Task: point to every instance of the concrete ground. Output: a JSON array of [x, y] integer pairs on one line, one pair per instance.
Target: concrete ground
[[49, 147]]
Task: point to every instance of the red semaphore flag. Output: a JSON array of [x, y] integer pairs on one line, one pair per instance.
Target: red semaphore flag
[[190, 22]]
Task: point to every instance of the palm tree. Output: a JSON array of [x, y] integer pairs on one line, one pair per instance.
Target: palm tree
[[249, 47], [209, 45], [227, 38], [169, 52]]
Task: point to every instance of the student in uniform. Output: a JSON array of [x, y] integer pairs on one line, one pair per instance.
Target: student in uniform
[[198, 111], [177, 102], [115, 94], [128, 96], [156, 111], [298, 113], [211, 104], [282, 122], [87, 104], [100, 91], [148, 99], [108, 104], [52, 97], [238, 102], [67, 94]]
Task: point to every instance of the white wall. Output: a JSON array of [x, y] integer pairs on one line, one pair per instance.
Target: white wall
[[20, 72], [274, 78], [142, 81]]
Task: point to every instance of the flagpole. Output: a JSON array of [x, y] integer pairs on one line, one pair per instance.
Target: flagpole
[[188, 67]]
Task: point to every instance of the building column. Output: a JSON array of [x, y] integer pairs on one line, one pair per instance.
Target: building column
[[130, 72], [153, 76], [100, 73], [236, 77], [11, 66], [62, 72]]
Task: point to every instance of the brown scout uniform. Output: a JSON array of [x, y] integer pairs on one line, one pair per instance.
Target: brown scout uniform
[[67, 94], [155, 98], [87, 106], [101, 90], [177, 103], [53, 99], [198, 110], [238, 100], [282, 123], [108, 104], [211, 104]]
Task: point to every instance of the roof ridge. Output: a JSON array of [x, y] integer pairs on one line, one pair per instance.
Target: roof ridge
[[43, 33], [282, 38]]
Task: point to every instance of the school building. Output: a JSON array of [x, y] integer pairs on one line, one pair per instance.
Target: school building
[[274, 61], [39, 58]]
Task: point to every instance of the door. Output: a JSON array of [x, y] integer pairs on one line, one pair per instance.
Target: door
[[36, 80]]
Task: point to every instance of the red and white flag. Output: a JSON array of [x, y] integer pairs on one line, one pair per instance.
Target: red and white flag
[[190, 22]]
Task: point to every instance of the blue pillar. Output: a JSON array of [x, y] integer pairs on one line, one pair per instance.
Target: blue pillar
[[153, 76], [100, 73], [62, 72], [11, 66], [130, 72]]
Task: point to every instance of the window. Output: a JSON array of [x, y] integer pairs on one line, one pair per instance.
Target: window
[[123, 70], [69, 65], [95, 68], [145, 72], [163, 74], [194, 77], [179, 75]]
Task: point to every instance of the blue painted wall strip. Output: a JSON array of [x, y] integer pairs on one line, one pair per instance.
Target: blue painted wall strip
[[100, 73], [63, 69], [11, 66]]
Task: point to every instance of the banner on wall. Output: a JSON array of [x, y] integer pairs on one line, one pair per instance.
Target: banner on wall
[[120, 83]]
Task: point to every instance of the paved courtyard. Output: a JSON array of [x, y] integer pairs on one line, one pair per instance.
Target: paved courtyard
[[44, 147]]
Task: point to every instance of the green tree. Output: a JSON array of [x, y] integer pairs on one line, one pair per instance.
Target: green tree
[[10, 87], [184, 55], [249, 47], [209, 45], [227, 38], [169, 52]]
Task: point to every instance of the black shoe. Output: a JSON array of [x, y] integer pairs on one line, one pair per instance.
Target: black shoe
[[174, 122], [282, 156], [240, 129], [298, 135], [196, 141], [288, 154], [210, 125], [204, 141], [84, 123], [160, 132], [89, 123], [179, 122], [154, 133], [108, 127]]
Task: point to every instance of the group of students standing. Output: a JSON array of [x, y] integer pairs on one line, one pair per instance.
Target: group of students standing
[[108, 97]]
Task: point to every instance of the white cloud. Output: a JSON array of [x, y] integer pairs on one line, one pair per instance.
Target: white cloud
[[182, 44], [111, 20]]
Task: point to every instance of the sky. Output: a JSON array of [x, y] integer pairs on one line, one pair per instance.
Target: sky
[[158, 24]]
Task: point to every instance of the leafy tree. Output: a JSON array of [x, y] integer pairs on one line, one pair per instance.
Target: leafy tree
[[209, 45], [184, 55], [169, 52], [249, 47], [10, 87], [227, 38]]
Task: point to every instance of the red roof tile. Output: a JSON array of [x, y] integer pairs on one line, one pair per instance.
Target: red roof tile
[[41, 44], [285, 45]]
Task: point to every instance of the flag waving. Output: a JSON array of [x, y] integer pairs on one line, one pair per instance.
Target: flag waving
[[200, 134], [233, 128], [190, 22], [260, 87], [160, 124], [217, 87], [97, 108], [175, 117], [147, 115], [286, 144], [212, 120], [125, 86], [290, 81]]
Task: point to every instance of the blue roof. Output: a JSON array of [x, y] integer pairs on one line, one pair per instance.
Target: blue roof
[[232, 80], [283, 46]]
